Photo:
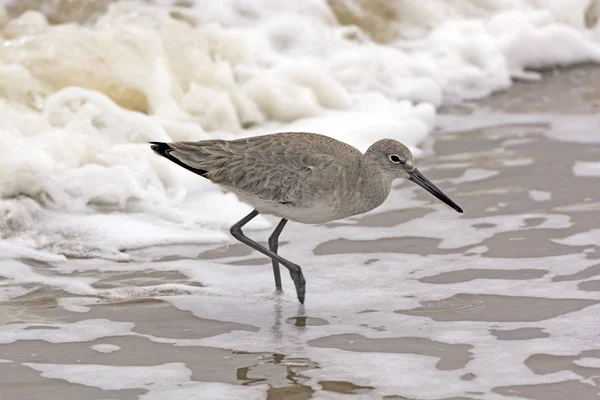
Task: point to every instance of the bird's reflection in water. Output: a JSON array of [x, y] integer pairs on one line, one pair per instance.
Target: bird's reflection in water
[[277, 315], [281, 373], [276, 328]]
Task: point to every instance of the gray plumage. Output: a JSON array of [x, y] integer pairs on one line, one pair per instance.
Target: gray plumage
[[299, 176]]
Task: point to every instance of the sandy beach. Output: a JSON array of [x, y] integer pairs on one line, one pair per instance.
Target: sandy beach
[[507, 310]]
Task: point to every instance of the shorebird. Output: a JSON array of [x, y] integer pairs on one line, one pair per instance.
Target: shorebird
[[298, 176]]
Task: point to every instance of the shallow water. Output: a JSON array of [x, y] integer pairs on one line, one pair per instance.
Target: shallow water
[[118, 278], [410, 302]]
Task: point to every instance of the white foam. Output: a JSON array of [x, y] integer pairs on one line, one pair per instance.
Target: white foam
[[443, 225], [475, 174], [81, 331], [20, 273], [116, 377], [586, 168], [15, 250], [519, 162], [588, 362], [86, 139], [165, 381], [105, 348], [212, 390], [340, 287], [7, 293], [574, 128], [540, 195], [392, 284], [78, 304], [363, 128], [591, 237]]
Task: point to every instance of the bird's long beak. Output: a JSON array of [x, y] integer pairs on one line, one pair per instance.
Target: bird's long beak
[[417, 177]]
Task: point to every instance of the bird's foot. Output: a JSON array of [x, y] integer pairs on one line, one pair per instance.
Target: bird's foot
[[300, 284]]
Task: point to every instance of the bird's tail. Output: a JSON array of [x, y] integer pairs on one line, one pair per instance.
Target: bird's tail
[[164, 149]]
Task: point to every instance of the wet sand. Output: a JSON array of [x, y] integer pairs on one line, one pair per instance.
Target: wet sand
[[506, 134]]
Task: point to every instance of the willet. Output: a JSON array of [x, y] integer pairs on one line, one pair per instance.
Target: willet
[[298, 176]]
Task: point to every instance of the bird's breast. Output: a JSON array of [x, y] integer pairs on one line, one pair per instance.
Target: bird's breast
[[313, 213]]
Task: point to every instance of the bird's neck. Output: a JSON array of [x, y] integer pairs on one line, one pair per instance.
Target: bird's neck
[[374, 185]]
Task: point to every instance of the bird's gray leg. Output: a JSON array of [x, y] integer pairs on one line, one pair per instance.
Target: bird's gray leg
[[274, 245], [295, 270]]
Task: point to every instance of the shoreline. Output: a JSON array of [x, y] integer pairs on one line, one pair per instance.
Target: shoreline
[[516, 273]]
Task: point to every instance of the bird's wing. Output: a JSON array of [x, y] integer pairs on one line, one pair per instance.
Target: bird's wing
[[270, 167]]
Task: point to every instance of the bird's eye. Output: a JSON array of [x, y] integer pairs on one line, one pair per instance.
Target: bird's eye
[[395, 159]]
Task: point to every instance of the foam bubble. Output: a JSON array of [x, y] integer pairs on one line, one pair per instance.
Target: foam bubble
[[81, 331], [214, 390], [588, 362], [15, 250], [165, 381], [575, 128], [105, 348], [115, 378], [475, 174], [586, 168], [591, 237], [540, 195]]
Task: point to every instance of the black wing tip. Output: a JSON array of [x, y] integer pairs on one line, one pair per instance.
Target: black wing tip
[[160, 148], [163, 149]]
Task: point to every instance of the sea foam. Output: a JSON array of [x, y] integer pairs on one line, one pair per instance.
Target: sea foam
[[80, 101]]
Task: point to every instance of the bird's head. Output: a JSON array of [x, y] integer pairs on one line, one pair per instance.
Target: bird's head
[[395, 160]]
